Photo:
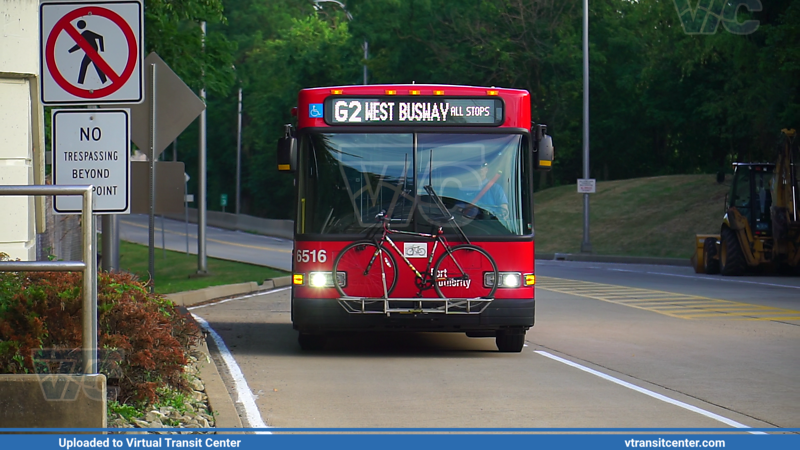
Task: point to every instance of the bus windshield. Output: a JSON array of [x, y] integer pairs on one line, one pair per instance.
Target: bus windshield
[[346, 179]]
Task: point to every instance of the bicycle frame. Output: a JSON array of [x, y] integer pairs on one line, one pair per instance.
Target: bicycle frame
[[423, 281], [427, 279]]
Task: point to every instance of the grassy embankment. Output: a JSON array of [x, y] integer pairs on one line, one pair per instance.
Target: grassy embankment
[[656, 216], [172, 272]]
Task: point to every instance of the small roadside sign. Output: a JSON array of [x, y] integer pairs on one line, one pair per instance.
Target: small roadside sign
[[586, 186], [92, 146], [91, 52]]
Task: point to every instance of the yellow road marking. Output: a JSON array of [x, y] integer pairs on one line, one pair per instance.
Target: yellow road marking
[[255, 247], [667, 303]]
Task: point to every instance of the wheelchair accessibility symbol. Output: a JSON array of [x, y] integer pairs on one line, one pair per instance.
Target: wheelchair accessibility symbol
[[315, 110]]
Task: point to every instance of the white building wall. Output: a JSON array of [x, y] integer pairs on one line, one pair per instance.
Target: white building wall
[[21, 124]]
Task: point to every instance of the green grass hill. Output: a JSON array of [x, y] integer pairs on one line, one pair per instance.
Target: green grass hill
[[656, 216]]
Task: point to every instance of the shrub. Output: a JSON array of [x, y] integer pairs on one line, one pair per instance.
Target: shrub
[[40, 311]]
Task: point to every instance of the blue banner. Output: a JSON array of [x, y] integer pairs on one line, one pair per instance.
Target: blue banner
[[418, 440]]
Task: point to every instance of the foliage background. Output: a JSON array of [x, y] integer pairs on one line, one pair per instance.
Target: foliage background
[[662, 101]]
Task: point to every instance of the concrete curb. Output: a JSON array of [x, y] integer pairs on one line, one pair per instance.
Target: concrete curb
[[613, 259], [191, 298], [219, 399]]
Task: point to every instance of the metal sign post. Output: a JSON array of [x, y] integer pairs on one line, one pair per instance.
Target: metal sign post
[[110, 227], [152, 185]]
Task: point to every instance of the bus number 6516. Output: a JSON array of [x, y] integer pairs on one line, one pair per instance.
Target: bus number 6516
[[305, 256]]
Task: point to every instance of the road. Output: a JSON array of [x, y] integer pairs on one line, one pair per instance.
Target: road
[[224, 244], [614, 346]]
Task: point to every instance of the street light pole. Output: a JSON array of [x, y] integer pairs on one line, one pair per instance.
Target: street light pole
[[349, 16], [586, 246], [239, 155], [202, 262]]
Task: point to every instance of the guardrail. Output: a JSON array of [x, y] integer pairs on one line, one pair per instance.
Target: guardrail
[[88, 266]]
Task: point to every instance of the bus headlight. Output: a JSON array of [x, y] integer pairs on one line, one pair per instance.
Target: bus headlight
[[318, 279], [507, 279], [325, 279]]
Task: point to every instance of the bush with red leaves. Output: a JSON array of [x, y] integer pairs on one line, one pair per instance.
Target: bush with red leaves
[[148, 338]]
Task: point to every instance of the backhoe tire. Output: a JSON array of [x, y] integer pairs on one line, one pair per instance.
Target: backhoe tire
[[710, 263], [731, 258]]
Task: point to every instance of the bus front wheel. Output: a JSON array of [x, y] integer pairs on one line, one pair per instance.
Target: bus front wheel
[[510, 340]]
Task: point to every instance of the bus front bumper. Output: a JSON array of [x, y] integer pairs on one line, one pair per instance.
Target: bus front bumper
[[314, 315]]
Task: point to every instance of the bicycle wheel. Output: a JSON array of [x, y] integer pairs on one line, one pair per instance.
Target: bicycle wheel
[[460, 274], [363, 279]]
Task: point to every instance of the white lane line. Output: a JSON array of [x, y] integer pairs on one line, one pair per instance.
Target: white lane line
[[707, 278], [253, 416], [650, 393], [245, 396], [239, 298], [725, 280]]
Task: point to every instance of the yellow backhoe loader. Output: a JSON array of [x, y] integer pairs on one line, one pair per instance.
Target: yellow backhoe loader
[[761, 226]]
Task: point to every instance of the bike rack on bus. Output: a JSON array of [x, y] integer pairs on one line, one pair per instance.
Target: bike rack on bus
[[416, 305], [88, 266]]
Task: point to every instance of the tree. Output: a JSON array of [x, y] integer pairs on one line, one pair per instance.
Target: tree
[[662, 101], [312, 52], [172, 29]]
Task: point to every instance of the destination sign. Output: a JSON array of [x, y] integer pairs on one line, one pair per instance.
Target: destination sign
[[433, 111]]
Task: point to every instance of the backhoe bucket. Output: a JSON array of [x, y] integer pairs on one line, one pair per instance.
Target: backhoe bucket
[[698, 258]]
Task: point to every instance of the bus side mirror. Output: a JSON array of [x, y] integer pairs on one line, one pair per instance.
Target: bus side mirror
[[287, 151], [543, 151]]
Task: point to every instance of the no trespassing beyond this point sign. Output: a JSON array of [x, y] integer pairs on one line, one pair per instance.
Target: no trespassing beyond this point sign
[[92, 147]]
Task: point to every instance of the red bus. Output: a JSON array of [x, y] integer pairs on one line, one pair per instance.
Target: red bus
[[446, 172]]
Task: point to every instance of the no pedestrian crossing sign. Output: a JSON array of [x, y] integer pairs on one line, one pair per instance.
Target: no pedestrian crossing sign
[[91, 52], [92, 146]]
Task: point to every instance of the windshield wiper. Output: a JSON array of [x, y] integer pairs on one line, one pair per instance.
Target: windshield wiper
[[445, 211]]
